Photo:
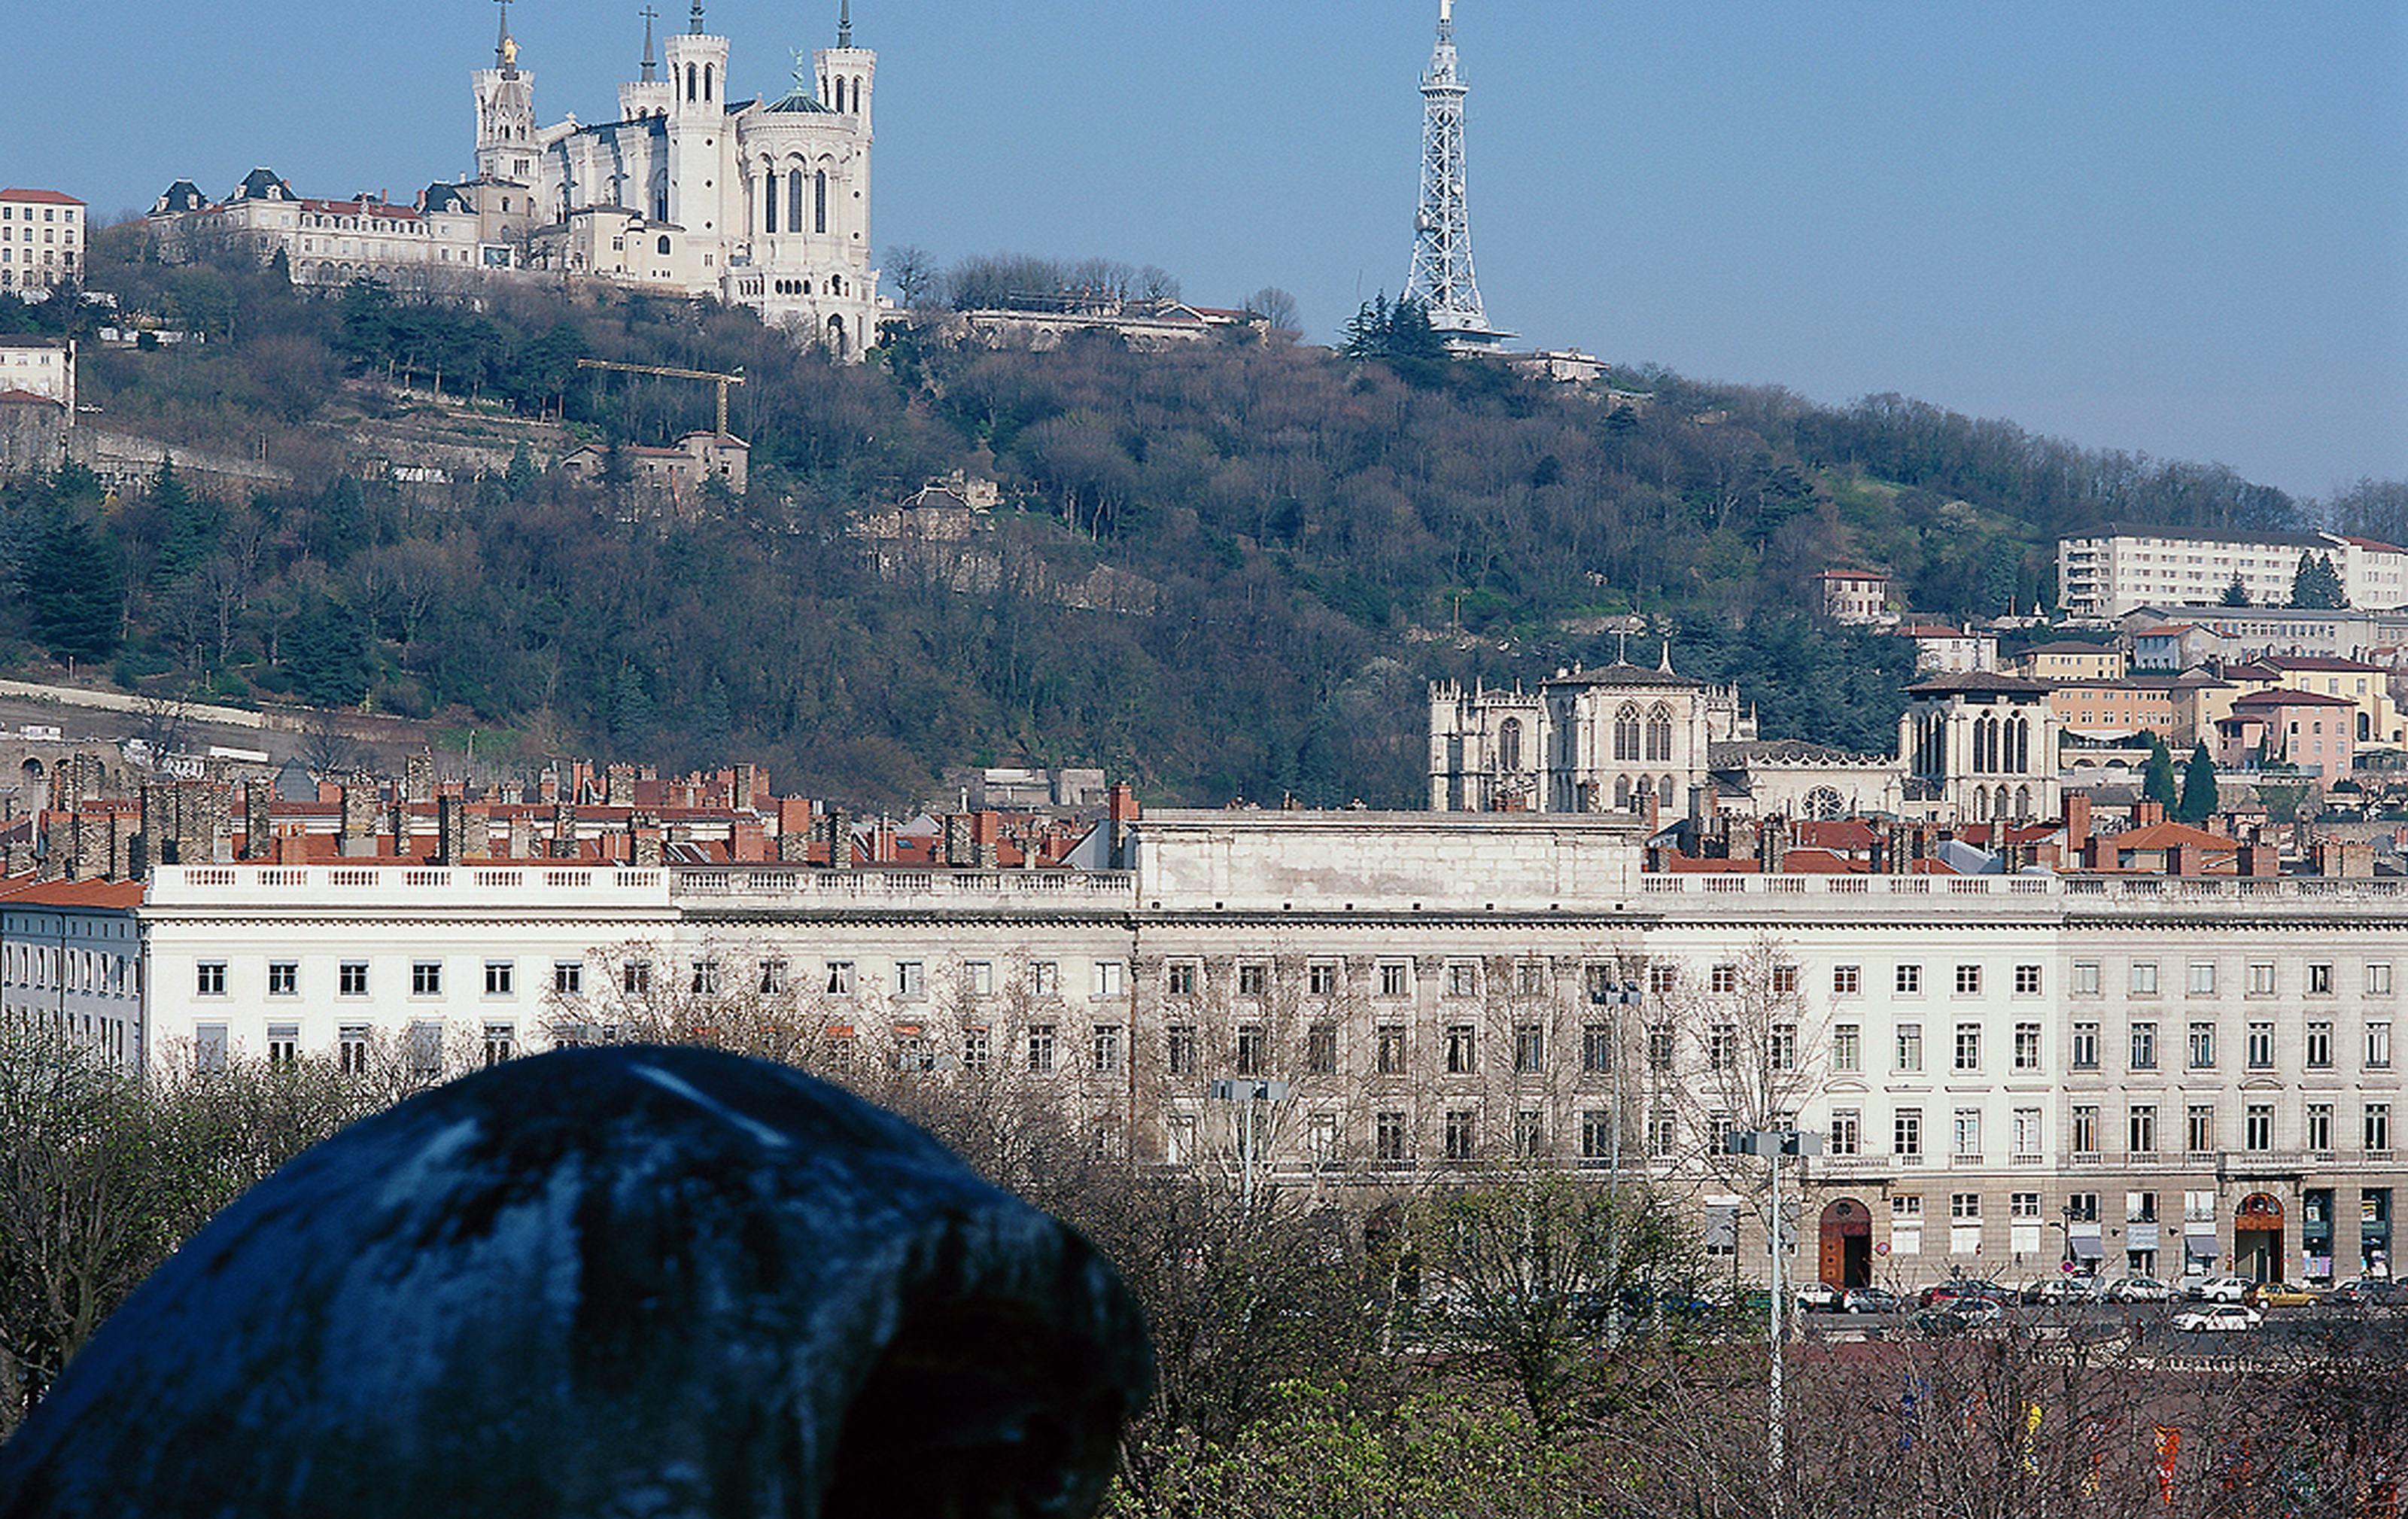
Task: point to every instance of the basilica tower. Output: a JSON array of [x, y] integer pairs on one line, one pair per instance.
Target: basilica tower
[[506, 149], [700, 148]]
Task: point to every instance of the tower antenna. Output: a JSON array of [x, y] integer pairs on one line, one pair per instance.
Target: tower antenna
[[1443, 283]]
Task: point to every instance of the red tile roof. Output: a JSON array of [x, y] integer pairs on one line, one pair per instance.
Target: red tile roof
[[26, 890], [40, 198]]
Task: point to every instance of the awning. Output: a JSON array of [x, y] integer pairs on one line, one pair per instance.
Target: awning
[[2088, 1247]]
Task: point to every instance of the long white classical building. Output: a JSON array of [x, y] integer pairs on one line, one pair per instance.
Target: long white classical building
[[2140, 1072]]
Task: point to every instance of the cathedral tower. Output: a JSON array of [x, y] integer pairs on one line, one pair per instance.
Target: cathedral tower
[[698, 129], [847, 75], [506, 149], [647, 98]]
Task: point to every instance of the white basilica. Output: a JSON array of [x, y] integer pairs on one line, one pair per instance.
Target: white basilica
[[763, 202]]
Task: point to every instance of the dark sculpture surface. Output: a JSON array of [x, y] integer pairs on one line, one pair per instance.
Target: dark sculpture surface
[[640, 1283]]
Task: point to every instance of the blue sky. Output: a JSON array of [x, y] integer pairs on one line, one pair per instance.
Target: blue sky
[[2178, 226]]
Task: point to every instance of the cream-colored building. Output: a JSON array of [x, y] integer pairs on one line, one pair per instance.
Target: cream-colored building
[[41, 239], [2108, 574], [44, 366], [1618, 738]]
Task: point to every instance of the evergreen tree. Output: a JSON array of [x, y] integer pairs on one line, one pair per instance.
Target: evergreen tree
[[2318, 584], [189, 527], [2197, 787], [714, 724], [75, 587], [520, 478], [327, 650], [2236, 594], [631, 711], [2157, 783]]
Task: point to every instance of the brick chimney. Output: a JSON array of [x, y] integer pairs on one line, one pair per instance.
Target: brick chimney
[[746, 787], [987, 836], [258, 820], [2077, 822], [124, 827], [2259, 861], [619, 785], [451, 832], [1120, 815], [357, 834], [749, 842], [418, 777], [961, 840], [2148, 814], [564, 831], [547, 785], [838, 831], [522, 836], [645, 849], [2185, 861]]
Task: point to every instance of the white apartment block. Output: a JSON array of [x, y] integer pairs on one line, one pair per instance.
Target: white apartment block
[[2144, 1074], [44, 366], [41, 239], [2107, 576]]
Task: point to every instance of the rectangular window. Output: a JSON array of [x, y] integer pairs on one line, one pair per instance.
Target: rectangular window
[[2258, 1126], [2086, 977], [2028, 982], [208, 1048], [1969, 980], [283, 1044], [1529, 1049], [1321, 979], [2141, 1131], [425, 1050], [209, 978], [569, 978], [2198, 1128], [1721, 1047], [2378, 1126], [1396, 980], [2320, 979], [1906, 1131], [2260, 1050], [2202, 978], [636, 978], [1045, 977], [912, 979], [2319, 1127], [1847, 1131], [2027, 1053], [1254, 981], [978, 1047], [1910, 978], [426, 978], [1250, 1049], [1040, 1049], [1180, 1049], [2378, 1046], [501, 975], [2027, 1130], [501, 1042], [1391, 1053], [352, 1048], [1106, 1048], [1529, 978], [1597, 1133], [2023, 1205], [2261, 977], [1180, 980], [2143, 978], [1462, 1135], [978, 975], [1529, 1134], [1847, 1048], [1969, 1046], [1179, 1139], [1388, 1138], [1784, 980], [1659, 1049], [1462, 1052], [1966, 1133], [1663, 1133], [2144, 1047], [1847, 980], [1781, 1047], [283, 978], [2378, 980], [1724, 979], [1596, 1048], [1964, 1205], [2082, 1207], [2319, 1046], [1320, 1050], [1910, 1047], [2202, 1046], [2085, 1129], [1662, 979]]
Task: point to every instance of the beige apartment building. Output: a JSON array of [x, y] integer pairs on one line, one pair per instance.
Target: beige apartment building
[[41, 239]]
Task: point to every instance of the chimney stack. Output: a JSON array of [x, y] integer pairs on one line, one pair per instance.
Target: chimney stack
[[522, 836], [258, 825], [644, 845], [564, 831], [838, 829], [357, 838], [451, 832], [418, 777]]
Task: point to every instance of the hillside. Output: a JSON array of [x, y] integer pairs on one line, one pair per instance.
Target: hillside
[[1306, 541]]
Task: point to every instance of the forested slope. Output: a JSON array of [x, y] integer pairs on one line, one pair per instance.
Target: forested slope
[[1318, 536]]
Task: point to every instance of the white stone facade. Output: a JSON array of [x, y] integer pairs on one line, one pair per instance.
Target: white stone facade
[[44, 366], [2012, 1070], [2109, 575], [1613, 739]]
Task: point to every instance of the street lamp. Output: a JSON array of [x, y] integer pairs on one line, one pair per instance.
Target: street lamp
[[1253, 1092], [1610, 993], [1774, 1145]]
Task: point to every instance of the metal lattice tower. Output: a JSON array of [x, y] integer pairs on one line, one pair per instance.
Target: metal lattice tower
[[1442, 281]]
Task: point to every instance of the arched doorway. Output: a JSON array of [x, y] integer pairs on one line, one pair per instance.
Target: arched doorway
[[2258, 1237], [1846, 1258]]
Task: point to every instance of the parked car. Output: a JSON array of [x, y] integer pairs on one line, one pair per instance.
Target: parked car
[[1959, 1315], [1868, 1300], [1962, 1287], [2367, 1292], [2058, 1291], [2220, 1290], [2219, 1318], [1820, 1298], [2265, 1295], [2139, 1290]]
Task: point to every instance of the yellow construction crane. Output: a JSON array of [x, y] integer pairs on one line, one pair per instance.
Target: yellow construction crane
[[725, 380]]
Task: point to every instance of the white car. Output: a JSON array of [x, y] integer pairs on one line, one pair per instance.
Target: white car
[[2139, 1290], [2221, 1318], [2220, 1290], [1819, 1298]]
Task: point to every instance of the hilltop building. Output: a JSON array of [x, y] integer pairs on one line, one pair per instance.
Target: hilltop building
[[2107, 575], [41, 240]]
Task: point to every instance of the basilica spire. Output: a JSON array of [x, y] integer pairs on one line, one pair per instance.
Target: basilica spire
[[844, 23], [505, 47], [651, 68], [693, 23]]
